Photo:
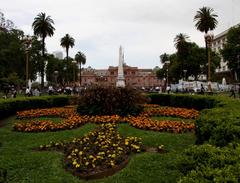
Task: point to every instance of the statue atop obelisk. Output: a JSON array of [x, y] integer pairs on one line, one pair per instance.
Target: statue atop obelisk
[[120, 77]]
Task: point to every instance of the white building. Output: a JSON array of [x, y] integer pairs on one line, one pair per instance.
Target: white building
[[218, 41], [58, 54]]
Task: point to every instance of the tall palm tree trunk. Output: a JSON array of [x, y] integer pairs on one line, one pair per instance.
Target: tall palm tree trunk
[[80, 76], [67, 53], [42, 63]]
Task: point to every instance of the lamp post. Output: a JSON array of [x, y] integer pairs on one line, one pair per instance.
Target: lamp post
[[238, 67], [209, 39], [185, 74], [27, 42], [55, 75], [167, 62], [74, 62]]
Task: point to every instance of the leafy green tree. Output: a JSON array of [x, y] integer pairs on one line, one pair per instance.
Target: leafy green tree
[[66, 42], [5, 24], [43, 27], [11, 54], [54, 64], [205, 21], [231, 51], [194, 62], [81, 59], [35, 58]]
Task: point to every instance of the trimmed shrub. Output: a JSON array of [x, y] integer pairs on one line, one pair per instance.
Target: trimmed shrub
[[218, 127], [11, 106], [98, 100], [207, 163], [187, 101]]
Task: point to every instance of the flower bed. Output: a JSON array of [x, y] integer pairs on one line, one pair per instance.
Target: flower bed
[[73, 120], [98, 151], [49, 112], [144, 122], [173, 111]]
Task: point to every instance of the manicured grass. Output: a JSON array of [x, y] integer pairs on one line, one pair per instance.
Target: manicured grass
[[23, 164]]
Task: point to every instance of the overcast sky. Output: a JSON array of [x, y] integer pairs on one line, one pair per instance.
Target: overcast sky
[[145, 28]]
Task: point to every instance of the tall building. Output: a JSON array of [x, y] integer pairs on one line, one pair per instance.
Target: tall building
[[134, 77], [58, 54], [217, 44]]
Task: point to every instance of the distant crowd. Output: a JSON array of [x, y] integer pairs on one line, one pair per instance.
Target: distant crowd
[[12, 92]]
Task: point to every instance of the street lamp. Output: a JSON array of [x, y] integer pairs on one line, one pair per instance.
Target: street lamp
[[27, 40], [167, 62], [74, 62], [55, 75], [185, 73], [209, 39]]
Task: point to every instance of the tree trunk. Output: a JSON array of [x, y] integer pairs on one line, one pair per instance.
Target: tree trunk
[[67, 53], [42, 62], [80, 79]]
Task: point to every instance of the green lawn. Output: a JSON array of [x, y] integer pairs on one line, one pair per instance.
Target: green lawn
[[26, 165]]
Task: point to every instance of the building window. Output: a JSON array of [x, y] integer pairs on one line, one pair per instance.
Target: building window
[[112, 73]]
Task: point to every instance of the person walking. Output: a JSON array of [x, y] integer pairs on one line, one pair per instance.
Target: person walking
[[238, 90], [202, 89], [232, 92], [27, 92]]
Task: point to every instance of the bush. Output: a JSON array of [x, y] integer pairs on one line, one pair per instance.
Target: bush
[[187, 101], [207, 163], [11, 106], [99, 100], [218, 127]]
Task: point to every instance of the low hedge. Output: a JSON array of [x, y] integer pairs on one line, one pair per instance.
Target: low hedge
[[187, 101], [11, 106]]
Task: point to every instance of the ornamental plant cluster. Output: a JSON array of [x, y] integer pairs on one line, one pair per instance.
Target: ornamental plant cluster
[[101, 149], [208, 163], [98, 100], [72, 120]]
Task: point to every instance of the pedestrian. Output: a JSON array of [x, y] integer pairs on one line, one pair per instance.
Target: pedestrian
[[232, 92], [239, 91], [27, 92], [14, 93], [202, 89], [168, 89]]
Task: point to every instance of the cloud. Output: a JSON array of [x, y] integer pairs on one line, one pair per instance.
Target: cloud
[[145, 28]]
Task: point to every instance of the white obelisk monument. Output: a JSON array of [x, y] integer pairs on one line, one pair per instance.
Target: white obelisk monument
[[120, 77]]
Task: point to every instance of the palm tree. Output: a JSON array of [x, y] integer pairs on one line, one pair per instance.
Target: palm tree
[[181, 42], [43, 27], [205, 21], [66, 42], [81, 59], [182, 46]]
